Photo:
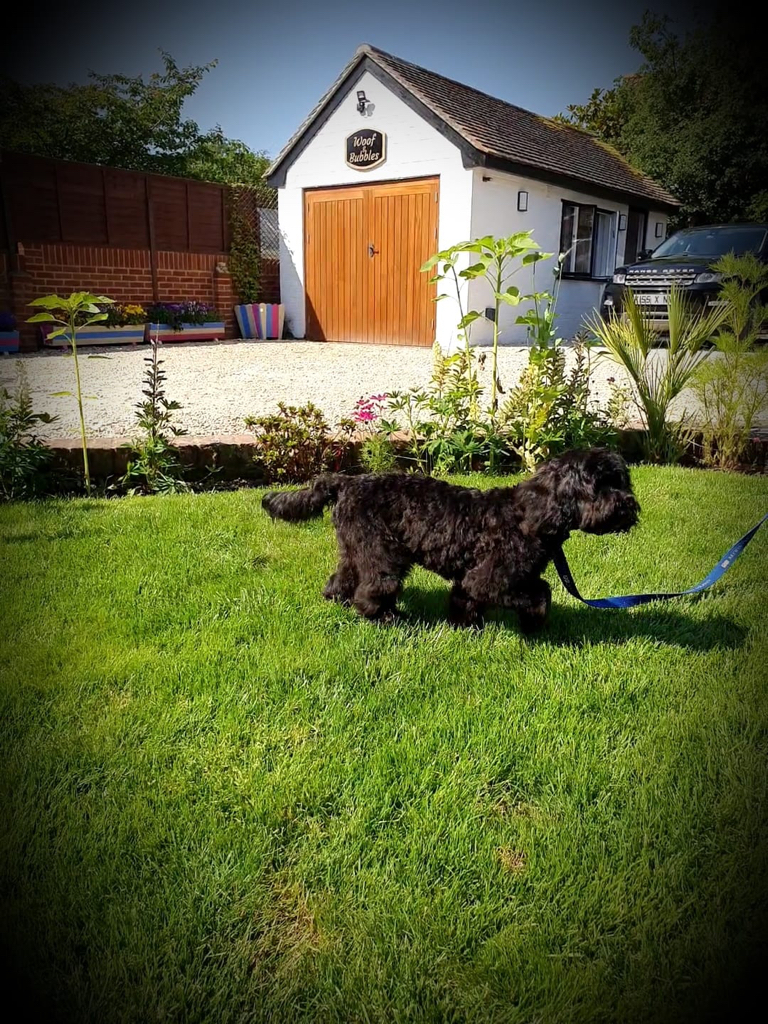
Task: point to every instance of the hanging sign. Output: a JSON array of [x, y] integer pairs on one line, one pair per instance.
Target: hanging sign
[[366, 149]]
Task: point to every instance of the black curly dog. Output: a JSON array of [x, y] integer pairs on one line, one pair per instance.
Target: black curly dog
[[492, 545]]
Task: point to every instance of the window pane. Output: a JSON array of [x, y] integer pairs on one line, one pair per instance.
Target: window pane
[[605, 245], [583, 248], [567, 239]]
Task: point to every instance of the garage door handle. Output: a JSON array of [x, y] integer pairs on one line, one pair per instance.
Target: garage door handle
[[371, 250]]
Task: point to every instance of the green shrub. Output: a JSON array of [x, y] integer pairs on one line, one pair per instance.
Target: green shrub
[[23, 458], [447, 430], [732, 388], [155, 467], [550, 410], [659, 375], [295, 443]]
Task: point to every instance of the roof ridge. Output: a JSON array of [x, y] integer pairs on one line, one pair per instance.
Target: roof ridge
[[374, 51], [471, 120]]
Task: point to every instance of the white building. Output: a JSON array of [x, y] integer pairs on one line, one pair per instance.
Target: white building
[[396, 162]]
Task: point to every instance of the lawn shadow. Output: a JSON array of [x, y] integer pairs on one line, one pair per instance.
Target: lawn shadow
[[570, 626]]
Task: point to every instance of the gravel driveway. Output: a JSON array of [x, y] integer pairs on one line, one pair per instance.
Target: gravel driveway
[[219, 383]]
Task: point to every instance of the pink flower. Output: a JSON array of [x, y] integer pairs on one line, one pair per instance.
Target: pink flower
[[364, 415]]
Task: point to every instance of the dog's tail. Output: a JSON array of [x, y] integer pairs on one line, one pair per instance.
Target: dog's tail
[[307, 503]]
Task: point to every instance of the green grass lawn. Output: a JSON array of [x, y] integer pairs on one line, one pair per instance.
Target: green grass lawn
[[227, 800]]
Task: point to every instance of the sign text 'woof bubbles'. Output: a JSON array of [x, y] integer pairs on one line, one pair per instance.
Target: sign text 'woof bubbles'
[[366, 149]]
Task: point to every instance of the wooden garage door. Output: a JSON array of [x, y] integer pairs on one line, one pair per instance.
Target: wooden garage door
[[363, 247]]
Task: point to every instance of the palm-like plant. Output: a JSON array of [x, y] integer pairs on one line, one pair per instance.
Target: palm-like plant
[[659, 376]]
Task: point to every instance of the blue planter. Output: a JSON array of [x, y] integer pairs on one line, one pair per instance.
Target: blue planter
[[189, 332], [132, 334], [9, 341]]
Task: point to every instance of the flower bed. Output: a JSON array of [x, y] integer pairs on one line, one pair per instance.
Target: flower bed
[[124, 325], [184, 321]]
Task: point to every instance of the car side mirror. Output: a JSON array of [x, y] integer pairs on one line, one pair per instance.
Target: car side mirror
[[645, 254]]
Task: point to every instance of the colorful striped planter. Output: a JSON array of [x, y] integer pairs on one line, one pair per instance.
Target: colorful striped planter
[[133, 334], [261, 320], [9, 341], [188, 332]]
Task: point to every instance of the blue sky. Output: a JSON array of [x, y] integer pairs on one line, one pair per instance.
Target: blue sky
[[276, 59]]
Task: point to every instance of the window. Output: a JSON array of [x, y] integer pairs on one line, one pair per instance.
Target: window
[[605, 244], [588, 238]]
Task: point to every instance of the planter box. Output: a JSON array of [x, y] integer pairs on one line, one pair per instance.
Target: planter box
[[132, 335], [261, 320], [9, 341], [189, 332]]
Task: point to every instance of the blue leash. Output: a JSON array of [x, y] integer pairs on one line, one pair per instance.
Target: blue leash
[[634, 599]]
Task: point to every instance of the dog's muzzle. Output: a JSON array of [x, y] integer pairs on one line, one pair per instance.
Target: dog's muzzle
[[627, 513]]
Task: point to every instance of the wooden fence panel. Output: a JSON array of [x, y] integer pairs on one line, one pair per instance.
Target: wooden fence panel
[[125, 196], [83, 204]]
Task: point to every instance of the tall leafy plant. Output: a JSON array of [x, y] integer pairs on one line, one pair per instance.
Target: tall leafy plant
[[496, 260], [80, 309], [659, 376], [732, 388], [23, 456], [155, 466]]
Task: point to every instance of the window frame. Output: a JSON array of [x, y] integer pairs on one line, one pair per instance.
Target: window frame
[[575, 275]]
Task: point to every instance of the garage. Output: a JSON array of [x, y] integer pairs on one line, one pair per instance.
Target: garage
[[363, 250], [397, 162]]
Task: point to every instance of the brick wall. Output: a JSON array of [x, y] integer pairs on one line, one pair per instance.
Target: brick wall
[[122, 274]]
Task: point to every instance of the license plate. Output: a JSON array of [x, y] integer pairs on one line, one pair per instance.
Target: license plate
[[651, 300]]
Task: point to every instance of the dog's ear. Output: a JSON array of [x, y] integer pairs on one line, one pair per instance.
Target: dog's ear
[[550, 498]]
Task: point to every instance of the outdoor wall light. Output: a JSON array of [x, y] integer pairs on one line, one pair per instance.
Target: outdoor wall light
[[522, 201], [622, 222], [362, 102]]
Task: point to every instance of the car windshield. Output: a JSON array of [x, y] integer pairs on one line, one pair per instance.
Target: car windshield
[[712, 242]]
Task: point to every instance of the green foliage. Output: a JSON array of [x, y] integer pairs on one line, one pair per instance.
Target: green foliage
[[447, 432], [228, 161], [22, 456], [155, 466], [80, 309], [695, 116], [295, 443], [377, 450], [732, 387], [378, 454], [632, 341], [124, 121], [551, 410], [494, 261], [547, 412], [244, 255]]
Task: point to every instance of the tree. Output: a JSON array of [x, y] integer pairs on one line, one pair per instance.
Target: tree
[[125, 122], [694, 116]]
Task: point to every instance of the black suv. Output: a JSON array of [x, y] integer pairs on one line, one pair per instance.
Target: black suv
[[684, 259]]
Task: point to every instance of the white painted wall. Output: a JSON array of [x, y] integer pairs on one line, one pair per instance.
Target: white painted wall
[[414, 150], [494, 212], [469, 208], [651, 239]]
